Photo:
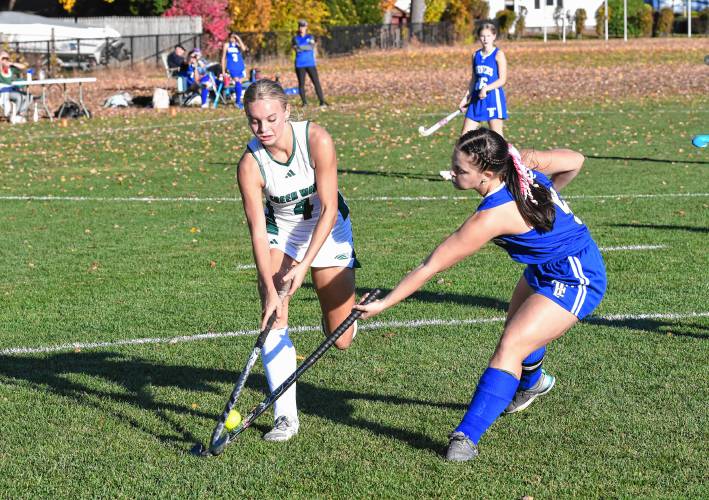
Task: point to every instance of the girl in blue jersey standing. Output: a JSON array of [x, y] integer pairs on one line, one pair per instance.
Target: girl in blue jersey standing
[[304, 46], [564, 281], [233, 64], [485, 98]]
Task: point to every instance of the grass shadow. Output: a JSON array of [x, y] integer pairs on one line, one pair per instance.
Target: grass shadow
[[391, 174], [139, 377], [677, 328], [439, 298], [663, 227], [644, 159]]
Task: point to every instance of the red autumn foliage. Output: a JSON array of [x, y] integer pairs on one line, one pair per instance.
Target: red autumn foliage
[[215, 19]]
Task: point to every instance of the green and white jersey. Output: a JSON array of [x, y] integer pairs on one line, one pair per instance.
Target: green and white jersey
[[293, 205], [290, 186]]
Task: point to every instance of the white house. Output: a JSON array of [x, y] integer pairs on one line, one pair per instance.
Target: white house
[[540, 13]]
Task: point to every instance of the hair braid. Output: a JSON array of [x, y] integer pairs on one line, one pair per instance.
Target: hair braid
[[490, 152]]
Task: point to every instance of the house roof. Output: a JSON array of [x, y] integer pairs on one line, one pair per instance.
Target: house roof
[[403, 5], [11, 17]]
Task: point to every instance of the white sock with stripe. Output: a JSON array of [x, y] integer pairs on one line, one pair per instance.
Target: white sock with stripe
[[279, 363]]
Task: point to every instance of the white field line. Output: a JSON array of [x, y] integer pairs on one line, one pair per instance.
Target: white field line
[[125, 129], [246, 266], [374, 325], [238, 117], [195, 199], [598, 112], [632, 248]]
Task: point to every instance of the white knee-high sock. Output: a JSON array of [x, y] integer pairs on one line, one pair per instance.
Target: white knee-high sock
[[279, 362]]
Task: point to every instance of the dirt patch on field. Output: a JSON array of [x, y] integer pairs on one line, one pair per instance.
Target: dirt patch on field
[[578, 71]]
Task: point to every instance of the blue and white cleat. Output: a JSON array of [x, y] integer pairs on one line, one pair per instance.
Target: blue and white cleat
[[460, 448], [524, 398]]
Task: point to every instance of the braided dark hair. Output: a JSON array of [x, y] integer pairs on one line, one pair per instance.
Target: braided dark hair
[[489, 151]]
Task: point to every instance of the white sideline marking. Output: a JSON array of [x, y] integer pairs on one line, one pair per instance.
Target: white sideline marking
[[632, 247], [125, 129], [246, 266], [375, 325], [598, 112], [194, 199]]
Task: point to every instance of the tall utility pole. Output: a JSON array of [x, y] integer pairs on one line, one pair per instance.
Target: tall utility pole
[[418, 7], [689, 18]]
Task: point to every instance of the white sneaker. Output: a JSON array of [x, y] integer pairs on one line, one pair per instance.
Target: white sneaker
[[283, 429], [446, 174], [205, 105]]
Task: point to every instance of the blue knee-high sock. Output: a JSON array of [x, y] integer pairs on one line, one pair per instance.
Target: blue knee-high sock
[[532, 368], [204, 95], [492, 395], [237, 89]]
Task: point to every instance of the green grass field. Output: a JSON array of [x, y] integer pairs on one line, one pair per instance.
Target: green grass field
[[145, 239]]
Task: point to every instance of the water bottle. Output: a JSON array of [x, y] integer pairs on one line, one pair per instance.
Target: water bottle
[[29, 74], [42, 74], [35, 115]]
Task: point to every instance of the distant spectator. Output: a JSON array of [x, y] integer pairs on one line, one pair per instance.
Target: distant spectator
[[304, 46], [233, 64], [9, 72], [176, 60], [198, 77]]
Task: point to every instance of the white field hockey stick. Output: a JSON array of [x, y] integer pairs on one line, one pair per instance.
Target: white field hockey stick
[[440, 123]]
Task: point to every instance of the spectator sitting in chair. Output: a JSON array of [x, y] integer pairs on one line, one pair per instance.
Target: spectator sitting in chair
[[198, 77], [176, 60], [10, 72]]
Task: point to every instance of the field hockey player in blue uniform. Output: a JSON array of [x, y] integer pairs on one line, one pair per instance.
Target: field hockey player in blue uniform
[[563, 282], [485, 98], [233, 63]]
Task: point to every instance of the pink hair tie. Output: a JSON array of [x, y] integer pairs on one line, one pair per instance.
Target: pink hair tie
[[525, 175]]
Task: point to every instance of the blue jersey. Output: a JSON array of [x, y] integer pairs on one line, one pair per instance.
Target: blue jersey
[[485, 69], [234, 60], [304, 51], [485, 72], [568, 235]]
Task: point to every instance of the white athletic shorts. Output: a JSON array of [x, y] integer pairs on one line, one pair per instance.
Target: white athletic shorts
[[337, 250]]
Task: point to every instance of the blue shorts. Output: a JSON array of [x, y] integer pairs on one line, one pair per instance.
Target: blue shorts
[[577, 283], [494, 106], [236, 71]]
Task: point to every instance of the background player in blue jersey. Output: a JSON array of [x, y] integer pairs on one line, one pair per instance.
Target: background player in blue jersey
[[233, 63], [564, 280], [198, 76], [304, 46], [485, 98]]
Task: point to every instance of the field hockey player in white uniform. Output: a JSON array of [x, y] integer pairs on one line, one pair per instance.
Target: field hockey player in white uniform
[[303, 225]]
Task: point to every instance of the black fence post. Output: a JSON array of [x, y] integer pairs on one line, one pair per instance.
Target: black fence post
[[78, 52], [131, 51], [157, 49]]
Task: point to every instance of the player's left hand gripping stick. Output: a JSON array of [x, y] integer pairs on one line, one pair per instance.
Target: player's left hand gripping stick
[[216, 447]]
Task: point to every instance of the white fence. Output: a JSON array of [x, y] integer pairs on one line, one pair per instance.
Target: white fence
[[128, 26], [145, 37]]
